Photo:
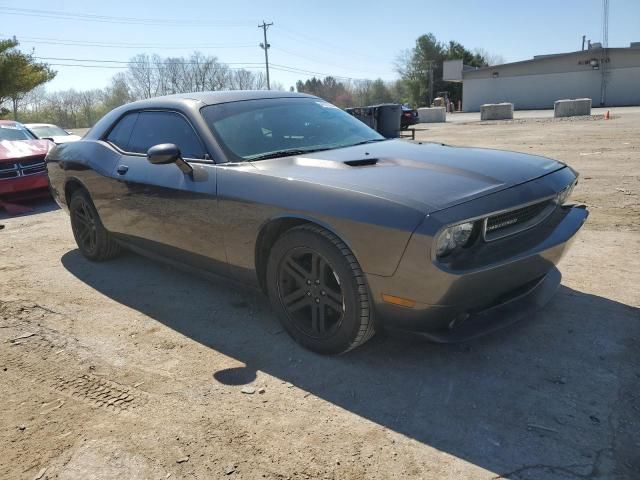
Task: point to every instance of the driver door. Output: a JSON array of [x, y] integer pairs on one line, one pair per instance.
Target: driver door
[[163, 210]]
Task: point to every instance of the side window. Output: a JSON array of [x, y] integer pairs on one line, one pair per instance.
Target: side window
[[120, 134], [153, 128]]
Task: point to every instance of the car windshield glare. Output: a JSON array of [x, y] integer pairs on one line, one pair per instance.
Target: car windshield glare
[[14, 132], [49, 131], [267, 128]]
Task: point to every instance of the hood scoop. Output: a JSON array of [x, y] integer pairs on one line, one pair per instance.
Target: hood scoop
[[362, 163]]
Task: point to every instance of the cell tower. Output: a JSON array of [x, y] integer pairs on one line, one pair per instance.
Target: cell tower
[[605, 23], [604, 61]]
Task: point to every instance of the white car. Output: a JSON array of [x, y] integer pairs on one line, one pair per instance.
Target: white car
[[51, 132]]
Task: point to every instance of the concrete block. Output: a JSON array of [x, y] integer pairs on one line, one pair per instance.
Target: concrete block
[[432, 115], [572, 108], [496, 111]]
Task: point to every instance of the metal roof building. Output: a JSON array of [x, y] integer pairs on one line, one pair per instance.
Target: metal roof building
[[610, 77]]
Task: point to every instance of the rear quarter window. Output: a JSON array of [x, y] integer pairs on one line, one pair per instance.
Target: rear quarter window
[[121, 132]]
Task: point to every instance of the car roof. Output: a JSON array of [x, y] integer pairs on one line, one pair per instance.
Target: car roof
[[9, 122], [31, 125], [184, 102], [211, 98]]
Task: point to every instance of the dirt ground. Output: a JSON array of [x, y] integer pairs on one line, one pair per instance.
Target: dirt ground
[[130, 369]]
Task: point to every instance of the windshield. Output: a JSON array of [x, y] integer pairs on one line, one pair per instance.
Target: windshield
[[48, 131], [14, 131], [255, 129]]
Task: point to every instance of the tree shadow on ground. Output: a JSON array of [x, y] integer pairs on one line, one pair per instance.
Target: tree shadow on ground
[[553, 397]]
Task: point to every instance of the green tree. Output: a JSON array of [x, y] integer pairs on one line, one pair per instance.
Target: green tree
[[428, 54], [19, 73], [379, 92]]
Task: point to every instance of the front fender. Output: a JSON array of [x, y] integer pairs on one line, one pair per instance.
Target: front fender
[[377, 230]]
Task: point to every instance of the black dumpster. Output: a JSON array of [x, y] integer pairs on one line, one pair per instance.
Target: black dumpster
[[366, 115], [388, 116], [385, 118]]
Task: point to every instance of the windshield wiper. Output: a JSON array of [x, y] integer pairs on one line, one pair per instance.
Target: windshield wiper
[[301, 151], [373, 140], [285, 153]]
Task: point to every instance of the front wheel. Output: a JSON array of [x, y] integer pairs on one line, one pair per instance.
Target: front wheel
[[316, 286], [93, 240]]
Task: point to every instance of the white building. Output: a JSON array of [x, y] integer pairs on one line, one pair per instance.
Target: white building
[[610, 77]]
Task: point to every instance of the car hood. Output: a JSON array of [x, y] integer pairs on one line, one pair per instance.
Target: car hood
[[14, 149], [426, 176]]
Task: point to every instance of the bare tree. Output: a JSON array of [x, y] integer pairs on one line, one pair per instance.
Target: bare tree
[[146, 76], [35, 99], [490, 58], [118, 93], [149, 76], [260, 82], [88, 101], [242, 79], [71, 104], [140, 76]]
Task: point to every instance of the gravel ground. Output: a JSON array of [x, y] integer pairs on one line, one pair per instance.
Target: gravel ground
[[129, 369]]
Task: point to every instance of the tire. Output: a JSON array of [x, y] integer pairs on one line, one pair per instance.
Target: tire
[[319, 291], [93, 240]]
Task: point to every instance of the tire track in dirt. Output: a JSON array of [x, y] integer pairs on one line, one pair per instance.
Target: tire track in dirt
[[46, 358]]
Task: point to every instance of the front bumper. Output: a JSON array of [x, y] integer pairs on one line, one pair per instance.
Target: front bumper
[[28, 186], [458, 305]]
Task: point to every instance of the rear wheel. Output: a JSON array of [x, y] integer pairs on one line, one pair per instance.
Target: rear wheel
[[319, 291], [93, 240]]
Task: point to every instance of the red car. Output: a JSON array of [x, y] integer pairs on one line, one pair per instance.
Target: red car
[[23, 173]]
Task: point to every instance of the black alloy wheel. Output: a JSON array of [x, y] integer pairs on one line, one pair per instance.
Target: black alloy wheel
[[318, 290], [311, 294], [84, 224], [93, 240]]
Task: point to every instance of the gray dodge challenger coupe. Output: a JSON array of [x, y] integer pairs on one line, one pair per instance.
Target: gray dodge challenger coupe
[[346, 231]]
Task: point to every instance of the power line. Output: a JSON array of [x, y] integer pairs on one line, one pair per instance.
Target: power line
[[309, 40], [133, 62], [280, 49], [81, 43], [113, 19], [285, 68], [120, 67]]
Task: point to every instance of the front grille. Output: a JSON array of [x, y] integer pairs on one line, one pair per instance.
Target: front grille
[[31, 167], [9, 170], [517, 220], [22, 168]]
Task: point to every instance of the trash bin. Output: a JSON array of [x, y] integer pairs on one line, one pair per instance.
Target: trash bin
[[388, 119], [385, 118]]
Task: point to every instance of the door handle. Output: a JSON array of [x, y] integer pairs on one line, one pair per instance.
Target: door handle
[[122, 169]]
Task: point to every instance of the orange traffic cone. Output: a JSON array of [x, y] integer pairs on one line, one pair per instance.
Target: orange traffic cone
[[606, 115]]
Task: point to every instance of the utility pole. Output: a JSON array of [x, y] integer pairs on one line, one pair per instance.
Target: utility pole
[[265, 46], [430, 83]]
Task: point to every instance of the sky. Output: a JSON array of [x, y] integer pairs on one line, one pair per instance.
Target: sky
[[350, 39]]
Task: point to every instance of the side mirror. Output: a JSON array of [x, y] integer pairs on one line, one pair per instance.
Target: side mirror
[[166, 153]]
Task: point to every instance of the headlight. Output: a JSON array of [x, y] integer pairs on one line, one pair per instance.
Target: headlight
[[564, 195], [453, 237]]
